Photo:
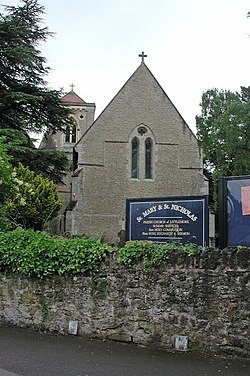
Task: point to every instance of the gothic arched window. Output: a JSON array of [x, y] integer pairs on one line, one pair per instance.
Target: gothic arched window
[[73, 134], [142, 153], [67, 135], [135, 158], [148, 158], [70, 135]]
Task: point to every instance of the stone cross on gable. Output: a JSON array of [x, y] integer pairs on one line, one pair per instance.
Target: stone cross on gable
[[72, 87], [142, 55]]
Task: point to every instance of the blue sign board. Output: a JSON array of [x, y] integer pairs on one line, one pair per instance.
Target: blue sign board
[[234, 211], [162, 220]]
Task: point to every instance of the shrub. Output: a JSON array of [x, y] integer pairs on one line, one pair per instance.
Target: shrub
[[153, 253], [36, 200], [37, 253], [6, 184]]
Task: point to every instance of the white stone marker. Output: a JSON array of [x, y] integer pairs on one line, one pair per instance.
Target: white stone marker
[[73, 327], [181, 343]]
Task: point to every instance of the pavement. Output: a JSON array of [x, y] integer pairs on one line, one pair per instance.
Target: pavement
[[24, 352]]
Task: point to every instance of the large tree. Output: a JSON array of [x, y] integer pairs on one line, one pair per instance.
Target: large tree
[[51, 164], [223, 130], [26, 103]]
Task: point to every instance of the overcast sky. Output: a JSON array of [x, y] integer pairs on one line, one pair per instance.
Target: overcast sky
[[192, 46]]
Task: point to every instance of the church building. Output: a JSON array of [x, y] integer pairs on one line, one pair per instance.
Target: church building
[[139, 146]]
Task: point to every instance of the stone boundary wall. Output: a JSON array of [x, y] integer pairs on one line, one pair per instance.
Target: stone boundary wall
[[205, 297]]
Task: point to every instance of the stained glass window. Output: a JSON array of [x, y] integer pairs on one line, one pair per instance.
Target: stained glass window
[[135, 159], [148, 159]]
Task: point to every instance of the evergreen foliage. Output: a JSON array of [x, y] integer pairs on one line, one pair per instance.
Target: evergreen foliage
[[35, 253], [51, 164], [26, 104], [153, 254], [36, 200]]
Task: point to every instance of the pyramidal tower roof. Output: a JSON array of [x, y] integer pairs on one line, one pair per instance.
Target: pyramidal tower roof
[[72, 98]]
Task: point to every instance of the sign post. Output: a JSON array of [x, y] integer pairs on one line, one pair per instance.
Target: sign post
[[162, 220]]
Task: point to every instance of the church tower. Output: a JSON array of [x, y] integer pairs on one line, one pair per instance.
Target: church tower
[[82, 114]]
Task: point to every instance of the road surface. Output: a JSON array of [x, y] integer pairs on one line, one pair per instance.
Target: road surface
[[24, 352]]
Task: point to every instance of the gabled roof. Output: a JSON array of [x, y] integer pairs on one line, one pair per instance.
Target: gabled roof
[[73, 99], [144, 71]]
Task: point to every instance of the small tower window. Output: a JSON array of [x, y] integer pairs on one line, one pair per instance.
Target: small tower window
[[70, 135], [73, 134], [135, 159], [148, 159], [67, 136]]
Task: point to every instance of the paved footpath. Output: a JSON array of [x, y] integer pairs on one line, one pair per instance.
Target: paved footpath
[[24, 352]]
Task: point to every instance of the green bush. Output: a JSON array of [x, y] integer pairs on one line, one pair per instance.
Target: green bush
[[36, 200], [153, 253], [37, 253]]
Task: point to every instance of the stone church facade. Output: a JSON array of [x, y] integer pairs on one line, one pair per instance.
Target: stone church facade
[[140, 146]]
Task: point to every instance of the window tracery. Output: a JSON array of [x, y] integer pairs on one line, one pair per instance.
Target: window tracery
[[142, 154], [70, 134]]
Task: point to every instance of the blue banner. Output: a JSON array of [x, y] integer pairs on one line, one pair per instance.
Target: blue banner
[[165, 220], [238, 211]]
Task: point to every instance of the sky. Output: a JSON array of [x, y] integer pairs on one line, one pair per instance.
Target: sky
[[191, 46]]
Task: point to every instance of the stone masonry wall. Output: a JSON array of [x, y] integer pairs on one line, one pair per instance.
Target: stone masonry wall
[[205, 297], [104, 182]]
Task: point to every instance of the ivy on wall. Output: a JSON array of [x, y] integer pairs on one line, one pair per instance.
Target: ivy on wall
[[35, 253], [153, 253]]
